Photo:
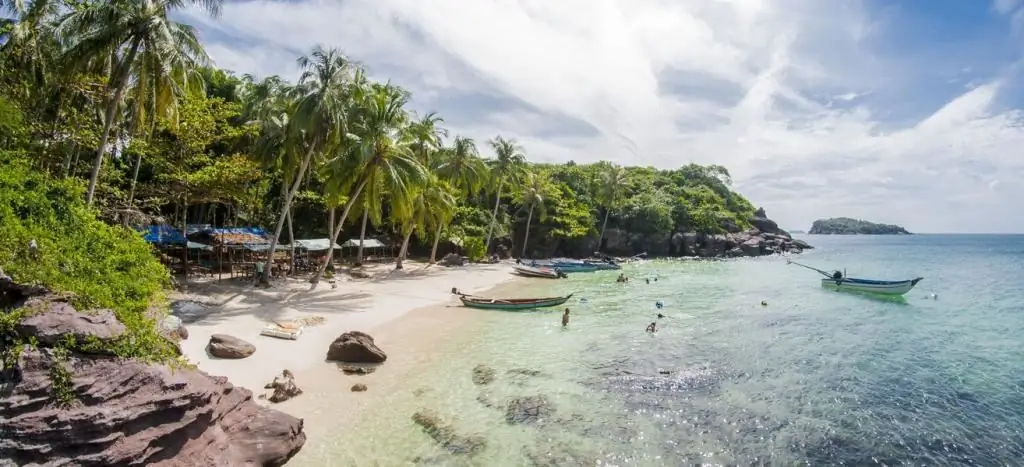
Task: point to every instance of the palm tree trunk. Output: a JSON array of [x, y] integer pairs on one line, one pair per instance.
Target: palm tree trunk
[[135, 178], [437, 239], [494, 219], [341, 223], [362, 236], [112, 108], [526, 236], [404, 249], [330, 245], [291, 241], [265, 278], [604, 225]]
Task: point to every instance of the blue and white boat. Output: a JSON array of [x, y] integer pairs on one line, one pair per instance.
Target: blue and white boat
[[840, 281]]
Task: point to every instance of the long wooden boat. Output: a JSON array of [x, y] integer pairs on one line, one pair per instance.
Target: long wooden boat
[[545, 273], [564, 266], [871, 286], [512, 304]]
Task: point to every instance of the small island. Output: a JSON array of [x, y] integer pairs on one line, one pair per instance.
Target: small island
[[798, 232], [849, 226]]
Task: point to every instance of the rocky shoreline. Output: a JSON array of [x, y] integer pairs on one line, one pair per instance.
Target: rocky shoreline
[[60, 407], [763, 238]]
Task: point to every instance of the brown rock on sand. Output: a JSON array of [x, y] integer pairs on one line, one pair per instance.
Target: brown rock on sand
[[355, 347]]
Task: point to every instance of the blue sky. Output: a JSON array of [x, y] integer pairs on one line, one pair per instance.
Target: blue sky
[[901, 112]]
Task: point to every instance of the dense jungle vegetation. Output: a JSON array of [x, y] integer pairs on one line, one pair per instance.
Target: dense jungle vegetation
[[117, 98]]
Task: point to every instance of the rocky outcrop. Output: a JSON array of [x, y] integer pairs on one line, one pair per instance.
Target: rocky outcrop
[[355, 347], [64, 407], [225, 346], [452, 259], [283, 387]]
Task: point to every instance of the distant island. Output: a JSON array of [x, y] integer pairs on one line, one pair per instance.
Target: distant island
[[848, 226], [797, 232]]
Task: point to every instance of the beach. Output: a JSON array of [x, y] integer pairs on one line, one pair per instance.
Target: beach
[[408, 312]]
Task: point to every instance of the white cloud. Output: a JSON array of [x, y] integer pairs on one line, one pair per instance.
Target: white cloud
[[793, 96]]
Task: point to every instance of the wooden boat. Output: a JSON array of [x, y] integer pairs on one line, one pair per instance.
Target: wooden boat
[[546, 273], [512, 304], [839, 281], [564, 266], [871, 286]]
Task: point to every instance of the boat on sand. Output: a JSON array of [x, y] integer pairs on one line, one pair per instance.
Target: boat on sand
[[511, 304], [839, 281], [546, 273]]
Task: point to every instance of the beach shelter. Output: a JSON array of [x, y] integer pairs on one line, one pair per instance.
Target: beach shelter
[[371, 248]]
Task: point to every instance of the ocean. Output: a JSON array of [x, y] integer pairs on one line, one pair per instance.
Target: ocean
[[815, 377]]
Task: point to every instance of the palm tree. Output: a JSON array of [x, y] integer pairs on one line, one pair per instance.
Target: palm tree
[[431, 206], [506, 166], [428, 134], [442, 204], [611, 186], [144, 48], [382, 157], [534, 191], [462, 166], [317, 123]]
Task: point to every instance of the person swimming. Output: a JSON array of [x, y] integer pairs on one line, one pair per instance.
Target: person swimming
[[622, 278], [653, 327], [565, 318], [660, 316]]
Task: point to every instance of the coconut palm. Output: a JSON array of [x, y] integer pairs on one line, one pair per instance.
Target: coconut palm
[[505, 167], [429, 208], [462, 166], [612, 185], [382, 158], [317, 122], [531, 197], [428, 135], [143, 47]]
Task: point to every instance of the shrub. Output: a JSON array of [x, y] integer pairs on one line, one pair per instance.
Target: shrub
[[101, 266], [475, 248]]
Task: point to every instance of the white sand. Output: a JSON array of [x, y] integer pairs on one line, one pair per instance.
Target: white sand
[[367, 305]]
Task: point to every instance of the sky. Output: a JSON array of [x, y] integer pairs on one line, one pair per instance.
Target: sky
[[895, 111]]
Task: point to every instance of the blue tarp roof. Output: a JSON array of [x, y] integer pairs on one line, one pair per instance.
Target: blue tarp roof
[[163, 234]]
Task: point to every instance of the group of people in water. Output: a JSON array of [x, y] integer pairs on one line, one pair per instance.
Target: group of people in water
[[651, 328]]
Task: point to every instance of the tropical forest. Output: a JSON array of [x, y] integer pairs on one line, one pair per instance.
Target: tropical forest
[[119, 104]]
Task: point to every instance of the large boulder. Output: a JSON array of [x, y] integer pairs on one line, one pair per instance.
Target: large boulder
[[755, 246], [225, 346], [355, 347], [51, 322], [130, 413], [761, 222]]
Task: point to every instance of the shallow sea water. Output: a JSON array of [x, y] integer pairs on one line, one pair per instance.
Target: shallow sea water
[[816, 377]]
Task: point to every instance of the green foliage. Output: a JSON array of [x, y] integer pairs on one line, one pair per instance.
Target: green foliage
[[475, 249], [101, 266], [848, 226]]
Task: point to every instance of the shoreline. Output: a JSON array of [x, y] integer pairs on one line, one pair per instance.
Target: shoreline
[[410, 314]]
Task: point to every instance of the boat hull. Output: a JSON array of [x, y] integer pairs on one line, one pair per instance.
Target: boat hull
[[512, 304], [544, 273], [870, 286]]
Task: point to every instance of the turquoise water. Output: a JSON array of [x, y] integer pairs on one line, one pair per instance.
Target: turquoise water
[[816, 377]]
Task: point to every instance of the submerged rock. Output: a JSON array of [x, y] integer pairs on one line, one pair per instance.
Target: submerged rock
[[446, 436], [225, 346], [355, 347], [357, 370], [528, 409], [359, 387], [483, 374]]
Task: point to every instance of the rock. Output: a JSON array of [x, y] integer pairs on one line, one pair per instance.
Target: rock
[[284, 387], [360, 274], [762, 223], [359, 387], [130, 413], [753, 247], [355, 347], [483, 374], [802, 244], [357, 370], [529, 409], [551, 453], [452, 259], [56, 320], [525, 372], [446, 436], [225, 346], [173, 329]]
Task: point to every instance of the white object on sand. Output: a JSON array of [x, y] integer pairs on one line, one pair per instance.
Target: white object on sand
[[282, 330]]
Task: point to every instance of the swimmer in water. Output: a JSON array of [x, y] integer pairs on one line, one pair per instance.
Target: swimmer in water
[[648, 281], [660, 316], [653, 327], [622, 278], [565, 318]]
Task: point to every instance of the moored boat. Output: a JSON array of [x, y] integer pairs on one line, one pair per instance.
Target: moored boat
[[871, 286], [512, 304], [840, 281], [546, 273], [564, 265]]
